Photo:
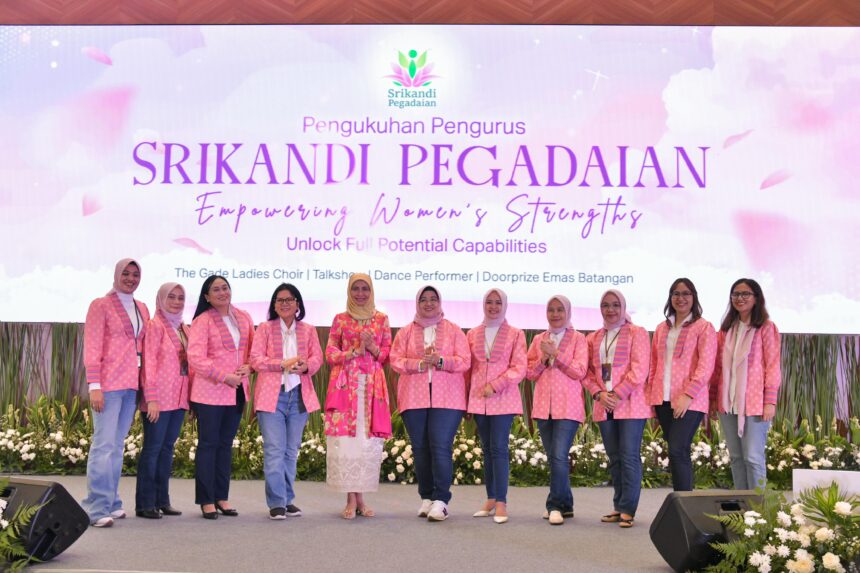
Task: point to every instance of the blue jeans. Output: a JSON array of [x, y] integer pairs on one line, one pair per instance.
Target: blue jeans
[[623, 441], [749, 466], [432, 431], [216, 428], [494, 431], [557, 436], [156, 459], [679, 434], [104, 463], [282, 436]]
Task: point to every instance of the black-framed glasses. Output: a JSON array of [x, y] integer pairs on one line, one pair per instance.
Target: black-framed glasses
[[681, 294], [742, 295], [286, 300]]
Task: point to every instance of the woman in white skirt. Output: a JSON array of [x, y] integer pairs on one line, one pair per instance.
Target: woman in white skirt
[[357, 416]]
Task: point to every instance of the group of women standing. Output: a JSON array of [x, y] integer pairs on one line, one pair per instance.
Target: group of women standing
[[684, 372]]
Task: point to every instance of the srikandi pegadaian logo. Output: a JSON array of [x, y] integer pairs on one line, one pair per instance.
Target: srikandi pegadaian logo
[[413, 75]]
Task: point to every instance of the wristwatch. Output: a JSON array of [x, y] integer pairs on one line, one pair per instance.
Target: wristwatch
[[440, 364]]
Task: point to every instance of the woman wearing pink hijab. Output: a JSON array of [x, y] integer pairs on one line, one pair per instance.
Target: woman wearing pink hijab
[[165, 401], [113, 347], [618, 362], [498, 366], [557, 362], [431, 355]]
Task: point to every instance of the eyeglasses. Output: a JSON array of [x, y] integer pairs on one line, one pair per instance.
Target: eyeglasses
[[744, 295], [681, 294], [288, 300], [610, 305]]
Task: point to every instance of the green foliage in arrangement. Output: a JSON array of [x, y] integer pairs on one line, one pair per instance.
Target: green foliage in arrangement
[[52, 438], [820, 532], [13, 556]]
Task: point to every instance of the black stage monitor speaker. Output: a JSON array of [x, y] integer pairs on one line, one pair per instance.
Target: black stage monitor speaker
[[56, 525], [682, 531]]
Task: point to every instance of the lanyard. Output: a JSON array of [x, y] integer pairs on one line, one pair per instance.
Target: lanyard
[[607, 347]]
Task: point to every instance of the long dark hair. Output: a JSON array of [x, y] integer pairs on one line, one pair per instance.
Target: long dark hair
[[203, 304], [273, 314], [759, 314], [696, 307]]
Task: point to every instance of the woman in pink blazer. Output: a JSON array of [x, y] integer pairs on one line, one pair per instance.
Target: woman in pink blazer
[[286, 353], [165, 401], [617, 372], [114, 335], [219, 355], [498, 366], [557, 362], [746, 381], [682, 360], [431, 354]]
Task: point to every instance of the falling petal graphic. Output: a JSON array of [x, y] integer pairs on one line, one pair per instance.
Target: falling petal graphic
[[186, 242], [775, 178], [732, 139], [90, 205], [97, 55]]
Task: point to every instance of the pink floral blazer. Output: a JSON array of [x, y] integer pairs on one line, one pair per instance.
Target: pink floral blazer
[[558, 387], [212, 356], [629, 373], [110, 346], [163, 353], [504, 371], [266, 355], [692, 364], [448, 384], [343, 338], [764, 374]]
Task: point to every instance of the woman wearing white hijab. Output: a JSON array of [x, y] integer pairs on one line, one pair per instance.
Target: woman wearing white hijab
[[114, 334]]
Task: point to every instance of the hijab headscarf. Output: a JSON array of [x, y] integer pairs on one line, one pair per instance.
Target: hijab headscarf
[[625, 318], [501, 318], [175, 319], [565, 302], [356, 311], [117, 276], [425, 321]]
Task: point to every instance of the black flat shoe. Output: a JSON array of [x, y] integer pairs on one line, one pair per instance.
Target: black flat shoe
[[169, 510], [225, 511], [148, 513], [209, 514]]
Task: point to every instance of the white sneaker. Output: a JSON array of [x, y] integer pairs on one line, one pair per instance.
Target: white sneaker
[[555, 517], [425, 507], [103, 522], [438, 511], [118, 514]]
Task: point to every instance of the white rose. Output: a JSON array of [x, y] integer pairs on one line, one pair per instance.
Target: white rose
[[831, 561], [824, 534], [477, 465], [842, 508], [400, 469], [468, 455], [391, 477], [394, 450], [463, 447]]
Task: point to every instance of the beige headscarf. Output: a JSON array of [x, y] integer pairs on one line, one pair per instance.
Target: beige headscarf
[[360, 312]]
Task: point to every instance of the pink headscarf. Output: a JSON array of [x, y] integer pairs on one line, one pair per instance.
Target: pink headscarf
[[427, 321], [565, 302], [624, 316], [117, 275], [495, 321], [175, 319]]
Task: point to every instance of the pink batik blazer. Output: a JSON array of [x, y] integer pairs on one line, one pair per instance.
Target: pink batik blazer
[[558, 387], [212, 356], [764, 374], [163, 381], [692, 364], [504, 371], [449, 384], [110, 347], [266, 355], [629, 373]]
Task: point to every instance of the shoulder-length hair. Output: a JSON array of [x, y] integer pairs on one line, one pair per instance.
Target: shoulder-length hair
[[759, 313], [203, 304], [300, 303], [696, 308]]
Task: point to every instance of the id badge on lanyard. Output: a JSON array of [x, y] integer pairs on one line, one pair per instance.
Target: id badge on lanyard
[[606, 372]]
